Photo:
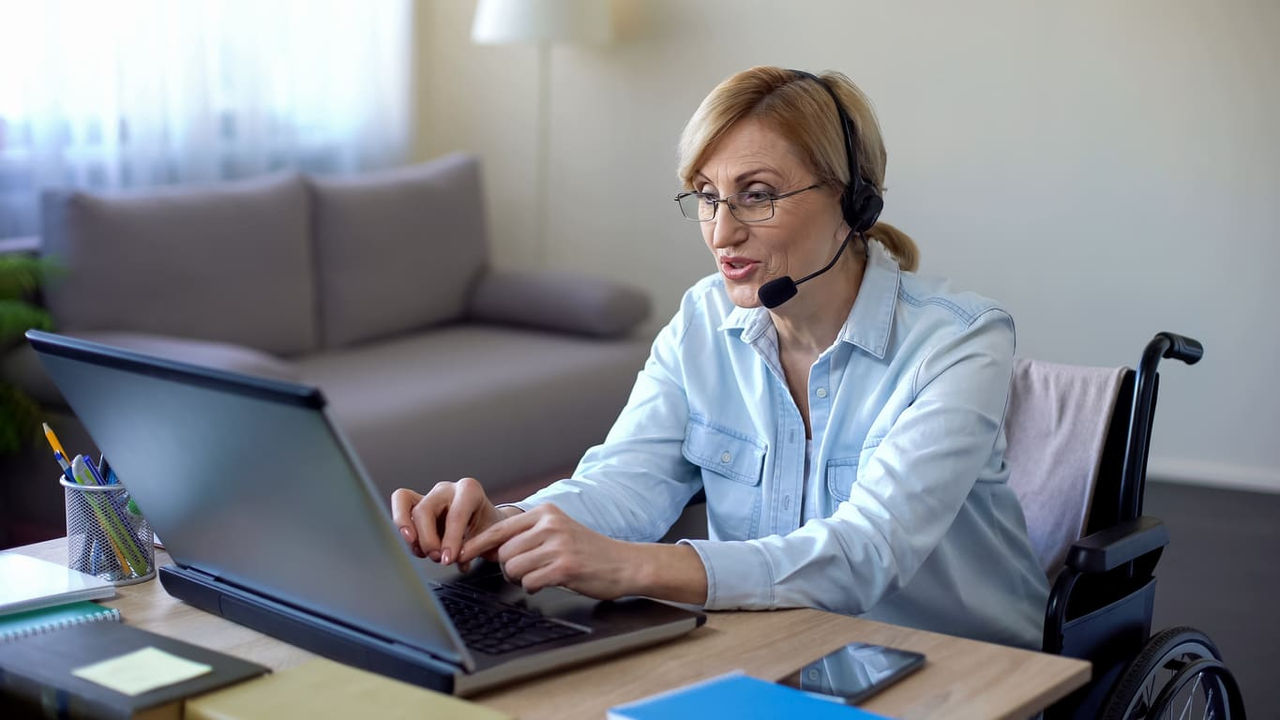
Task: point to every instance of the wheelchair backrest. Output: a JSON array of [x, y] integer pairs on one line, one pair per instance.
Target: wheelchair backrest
[[1063, 457]]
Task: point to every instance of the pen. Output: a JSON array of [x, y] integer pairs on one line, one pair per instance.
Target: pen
[[62, 463]]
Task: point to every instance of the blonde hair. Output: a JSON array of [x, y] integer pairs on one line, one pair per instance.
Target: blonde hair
[[802, 112]]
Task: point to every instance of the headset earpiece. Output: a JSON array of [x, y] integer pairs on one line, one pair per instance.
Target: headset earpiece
[[860, 203], [861, 207]]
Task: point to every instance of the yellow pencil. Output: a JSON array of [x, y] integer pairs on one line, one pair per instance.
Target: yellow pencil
[[53, 441]]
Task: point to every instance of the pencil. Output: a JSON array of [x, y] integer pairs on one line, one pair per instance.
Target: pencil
[[53, 441]]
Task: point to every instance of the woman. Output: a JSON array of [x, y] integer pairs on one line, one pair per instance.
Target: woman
[[849, 438]]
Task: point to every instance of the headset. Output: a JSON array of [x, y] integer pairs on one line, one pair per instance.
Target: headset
[[860, 204]]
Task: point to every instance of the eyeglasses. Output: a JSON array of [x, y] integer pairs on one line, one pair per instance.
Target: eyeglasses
[[747, 206]]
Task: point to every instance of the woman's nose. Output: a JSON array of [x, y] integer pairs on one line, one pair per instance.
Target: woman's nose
[[727, 230]]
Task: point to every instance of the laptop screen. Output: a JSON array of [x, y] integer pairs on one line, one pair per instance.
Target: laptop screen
[[248, 480]]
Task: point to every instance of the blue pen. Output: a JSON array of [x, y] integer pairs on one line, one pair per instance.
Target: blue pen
[[97, 476], [66, 466]]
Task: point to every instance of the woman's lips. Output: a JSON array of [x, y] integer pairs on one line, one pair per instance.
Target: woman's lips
[[738, 268]]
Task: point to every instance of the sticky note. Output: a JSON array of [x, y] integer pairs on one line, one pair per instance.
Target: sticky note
[[141, 671]]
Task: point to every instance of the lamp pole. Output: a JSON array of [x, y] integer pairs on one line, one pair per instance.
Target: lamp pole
[[542, 154]]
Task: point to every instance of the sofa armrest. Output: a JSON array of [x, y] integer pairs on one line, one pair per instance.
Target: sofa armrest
[[567, 302]]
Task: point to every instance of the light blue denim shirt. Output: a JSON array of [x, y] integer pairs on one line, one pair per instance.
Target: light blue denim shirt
[[904, 516]]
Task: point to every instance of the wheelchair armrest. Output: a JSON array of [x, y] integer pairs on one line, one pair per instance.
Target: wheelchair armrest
[[1115, 546]]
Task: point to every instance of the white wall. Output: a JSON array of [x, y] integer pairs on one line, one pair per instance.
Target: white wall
[[1106, 168]]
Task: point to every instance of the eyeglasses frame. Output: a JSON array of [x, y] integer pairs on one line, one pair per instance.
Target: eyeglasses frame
[[715, 204]]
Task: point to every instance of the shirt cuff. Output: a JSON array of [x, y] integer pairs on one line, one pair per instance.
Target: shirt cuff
[[738, 574]]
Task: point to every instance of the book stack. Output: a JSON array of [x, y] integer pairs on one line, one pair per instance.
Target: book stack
[[38, 597]]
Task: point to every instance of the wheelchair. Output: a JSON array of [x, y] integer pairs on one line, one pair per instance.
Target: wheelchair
[[1101, 603]]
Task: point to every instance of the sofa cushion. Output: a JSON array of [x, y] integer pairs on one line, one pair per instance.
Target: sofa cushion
[[501, 404], [568, 302], [229, 262], [397, 250], [22, 367]]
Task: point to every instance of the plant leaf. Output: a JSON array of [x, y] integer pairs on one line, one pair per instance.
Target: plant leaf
[[19, 416], [21, 274], [17, 317]]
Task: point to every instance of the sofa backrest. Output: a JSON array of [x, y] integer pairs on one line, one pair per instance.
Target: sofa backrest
[[230, 262], [397, 250], [282, 264]]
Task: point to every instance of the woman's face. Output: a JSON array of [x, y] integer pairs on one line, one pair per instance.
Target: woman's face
[[805, 231]]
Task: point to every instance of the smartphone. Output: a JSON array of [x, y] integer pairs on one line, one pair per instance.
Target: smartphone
[[855, 672]]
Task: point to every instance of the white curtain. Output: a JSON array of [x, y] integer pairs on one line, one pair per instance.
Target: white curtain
[[128, 93]]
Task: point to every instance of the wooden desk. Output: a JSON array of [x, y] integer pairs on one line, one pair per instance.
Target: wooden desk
[[961, 678]]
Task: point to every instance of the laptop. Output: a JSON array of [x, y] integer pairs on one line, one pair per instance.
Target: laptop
[[272, 523]]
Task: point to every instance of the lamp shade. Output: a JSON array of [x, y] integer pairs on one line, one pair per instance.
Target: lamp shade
[[499, 22]]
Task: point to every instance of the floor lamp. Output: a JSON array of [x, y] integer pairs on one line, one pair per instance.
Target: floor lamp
[[542, 22]]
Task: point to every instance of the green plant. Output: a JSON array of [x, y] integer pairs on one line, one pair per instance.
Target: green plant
[[20, 275]]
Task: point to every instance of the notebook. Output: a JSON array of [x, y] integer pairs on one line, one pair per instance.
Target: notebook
[[740, 697], [67, 667], [34, 622], [27, 583], [272, 523]]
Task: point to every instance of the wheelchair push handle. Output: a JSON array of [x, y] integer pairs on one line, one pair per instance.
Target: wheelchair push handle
[[1163, 345], [1179, 347]]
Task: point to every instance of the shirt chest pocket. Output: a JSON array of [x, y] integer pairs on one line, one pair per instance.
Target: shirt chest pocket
[[731, 465], [842, 473]]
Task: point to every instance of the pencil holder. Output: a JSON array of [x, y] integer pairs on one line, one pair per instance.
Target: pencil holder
[[106, 535]]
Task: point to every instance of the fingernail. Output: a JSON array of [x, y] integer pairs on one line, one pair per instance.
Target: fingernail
[[444, 556], [434, 555], [404, 531]]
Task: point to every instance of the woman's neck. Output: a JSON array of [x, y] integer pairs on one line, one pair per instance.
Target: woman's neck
[[810, 321]]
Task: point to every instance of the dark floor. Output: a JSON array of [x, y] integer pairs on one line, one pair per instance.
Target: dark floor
[[1220, 575]]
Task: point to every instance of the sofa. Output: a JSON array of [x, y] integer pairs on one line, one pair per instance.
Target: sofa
[[377, 288]]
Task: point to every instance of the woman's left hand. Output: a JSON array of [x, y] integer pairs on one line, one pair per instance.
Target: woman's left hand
[[545, 547]]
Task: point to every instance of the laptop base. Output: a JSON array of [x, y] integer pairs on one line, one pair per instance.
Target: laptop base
[[308, 631]]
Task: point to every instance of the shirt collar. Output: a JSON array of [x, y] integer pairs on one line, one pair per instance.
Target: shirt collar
[[870, 320]]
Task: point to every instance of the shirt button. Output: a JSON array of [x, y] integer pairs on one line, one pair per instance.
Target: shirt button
[[725, 457], [822, 392], [786, 502]]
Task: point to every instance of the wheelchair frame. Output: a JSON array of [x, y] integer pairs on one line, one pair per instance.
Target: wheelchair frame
[[1101, 604]]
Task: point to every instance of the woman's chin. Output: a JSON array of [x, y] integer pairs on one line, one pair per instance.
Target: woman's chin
[[743, 295]]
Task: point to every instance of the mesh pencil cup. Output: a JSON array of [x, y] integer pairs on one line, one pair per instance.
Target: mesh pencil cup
[[106, 535]]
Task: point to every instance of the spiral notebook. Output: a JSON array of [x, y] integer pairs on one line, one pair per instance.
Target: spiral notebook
[[34, 622]]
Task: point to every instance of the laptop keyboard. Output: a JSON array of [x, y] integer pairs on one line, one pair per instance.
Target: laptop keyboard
[[494, 628]]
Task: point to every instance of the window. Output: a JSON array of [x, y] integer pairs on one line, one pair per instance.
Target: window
[[132, 93]]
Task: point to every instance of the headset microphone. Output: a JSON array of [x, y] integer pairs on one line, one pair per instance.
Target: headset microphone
[[860, 205], [775, 292]]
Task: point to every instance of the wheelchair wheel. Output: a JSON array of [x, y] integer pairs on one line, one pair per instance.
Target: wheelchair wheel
[[1179, 674]]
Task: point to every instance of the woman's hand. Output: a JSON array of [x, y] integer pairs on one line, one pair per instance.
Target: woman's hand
[[545, 547], [436, 524]]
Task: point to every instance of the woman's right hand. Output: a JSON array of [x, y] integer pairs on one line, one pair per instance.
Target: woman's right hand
[[436, 524]]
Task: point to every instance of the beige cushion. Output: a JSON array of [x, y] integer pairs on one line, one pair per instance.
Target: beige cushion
[[567, 302], [228, 263], [397, 250]]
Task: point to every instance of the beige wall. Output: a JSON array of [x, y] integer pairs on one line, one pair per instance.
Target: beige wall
[[1107, 169]]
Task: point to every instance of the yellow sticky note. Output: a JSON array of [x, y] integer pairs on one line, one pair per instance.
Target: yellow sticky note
[[141, 671]]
